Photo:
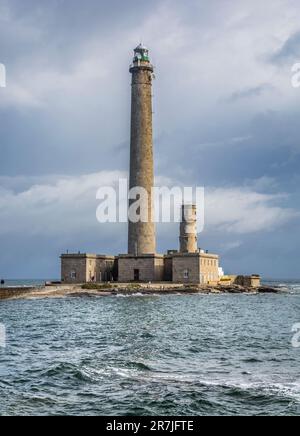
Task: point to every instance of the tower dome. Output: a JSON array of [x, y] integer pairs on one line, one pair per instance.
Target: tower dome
[[141, 53]]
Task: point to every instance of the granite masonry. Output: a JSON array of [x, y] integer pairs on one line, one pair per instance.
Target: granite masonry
[[189, 265]]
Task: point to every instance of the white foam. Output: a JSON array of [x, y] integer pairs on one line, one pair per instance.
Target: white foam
[[137, 294]]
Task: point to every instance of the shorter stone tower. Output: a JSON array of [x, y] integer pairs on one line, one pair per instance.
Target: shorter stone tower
[[188, 229]]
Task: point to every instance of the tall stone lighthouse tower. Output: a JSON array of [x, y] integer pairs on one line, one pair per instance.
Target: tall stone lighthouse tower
[[141, 235]]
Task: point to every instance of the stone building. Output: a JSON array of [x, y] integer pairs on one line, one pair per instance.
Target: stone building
[[191, 264], [247, 281], [142, 263], [143, 268], [84, 268], [198, 268]]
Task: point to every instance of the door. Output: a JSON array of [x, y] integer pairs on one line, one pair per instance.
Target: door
[[136, 275]]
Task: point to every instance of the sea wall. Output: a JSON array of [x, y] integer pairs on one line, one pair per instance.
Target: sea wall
[[6, 293]]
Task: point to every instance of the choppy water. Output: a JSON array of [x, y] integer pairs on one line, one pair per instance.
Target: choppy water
[[166, 355], [25, 283]]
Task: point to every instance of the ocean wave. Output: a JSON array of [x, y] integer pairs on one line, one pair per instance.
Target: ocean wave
[[290, 286], [256, 388], [252, 360], [98, 357], [140, 372], [136, 294]]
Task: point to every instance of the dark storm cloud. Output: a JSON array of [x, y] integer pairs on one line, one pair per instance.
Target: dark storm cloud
[[223, 117], [250, 92]]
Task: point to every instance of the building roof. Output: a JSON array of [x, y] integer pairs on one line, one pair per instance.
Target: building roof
[[140, 47]]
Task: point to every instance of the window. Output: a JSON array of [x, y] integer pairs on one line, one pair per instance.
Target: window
[[186, 274], [73, 275]]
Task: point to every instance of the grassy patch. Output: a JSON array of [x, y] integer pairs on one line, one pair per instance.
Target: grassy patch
[[97, 286], [133, 287]]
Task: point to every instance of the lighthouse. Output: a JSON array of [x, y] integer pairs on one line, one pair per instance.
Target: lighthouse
[[141, 235], [142, 263]]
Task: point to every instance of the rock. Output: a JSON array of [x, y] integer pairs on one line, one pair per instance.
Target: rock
[[267, 290]]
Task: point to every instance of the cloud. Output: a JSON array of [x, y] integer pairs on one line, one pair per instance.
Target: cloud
[[263, 184], [57, 213], [242, 211], [66, 110], [68, 206], [289, 52], [228, 246], [250, 92], [65, 206], [236, 140]]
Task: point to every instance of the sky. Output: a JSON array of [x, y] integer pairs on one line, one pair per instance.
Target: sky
[[226, 117]]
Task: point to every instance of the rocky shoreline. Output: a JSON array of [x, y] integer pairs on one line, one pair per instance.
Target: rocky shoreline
[[89, 290]]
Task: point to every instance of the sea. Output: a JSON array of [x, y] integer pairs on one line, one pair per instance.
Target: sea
[[151, 355]]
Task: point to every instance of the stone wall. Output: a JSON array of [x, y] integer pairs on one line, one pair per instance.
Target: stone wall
[[168, 273], [6, 293], [159, 271], [253, 281], [91, 269], [209, 268], [186, 268], [105, 269], [84, 268], [201, 268], [74, 268], [151, 268]]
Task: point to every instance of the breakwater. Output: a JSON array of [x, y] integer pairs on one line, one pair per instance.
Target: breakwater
[[15, 292]]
